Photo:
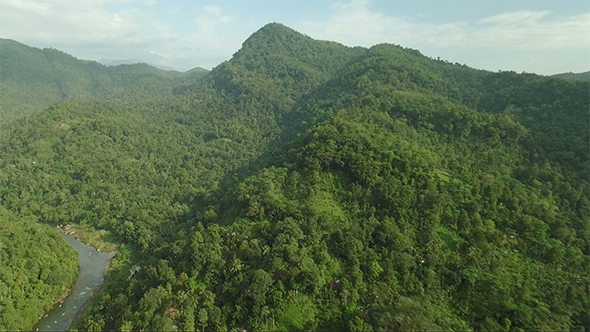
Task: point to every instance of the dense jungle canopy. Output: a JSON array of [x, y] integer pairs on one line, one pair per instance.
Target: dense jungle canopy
[[300, 185]]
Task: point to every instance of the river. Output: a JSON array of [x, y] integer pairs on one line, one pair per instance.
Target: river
[[90, 276]]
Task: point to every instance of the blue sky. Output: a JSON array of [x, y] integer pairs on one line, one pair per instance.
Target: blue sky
[[544, 37]]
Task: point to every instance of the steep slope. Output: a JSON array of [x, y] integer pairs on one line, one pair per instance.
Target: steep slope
[[37, 266], [409, 200], [469, 209], [278, 67], [132, 166], [98, 150], [33, 79], [305, 185]]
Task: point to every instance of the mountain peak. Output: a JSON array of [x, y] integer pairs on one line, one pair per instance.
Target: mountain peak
[[276, 45], [273, 35], [276, 27]]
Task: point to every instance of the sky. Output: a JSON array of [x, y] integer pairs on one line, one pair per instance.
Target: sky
[[543, 37]]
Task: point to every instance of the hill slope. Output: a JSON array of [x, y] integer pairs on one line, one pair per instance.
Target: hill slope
[[33, 79], [584, 77], [305, 185], [37, 267]]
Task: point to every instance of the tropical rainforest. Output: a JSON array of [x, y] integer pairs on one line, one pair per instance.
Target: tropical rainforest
[[300, 185], [34, 79]]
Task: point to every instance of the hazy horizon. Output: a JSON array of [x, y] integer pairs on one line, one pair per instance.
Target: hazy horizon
[[543, 37]]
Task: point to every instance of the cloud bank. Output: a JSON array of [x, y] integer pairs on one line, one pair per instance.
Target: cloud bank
[[356, 24], [183, 35], [89, 29], [522, 40]]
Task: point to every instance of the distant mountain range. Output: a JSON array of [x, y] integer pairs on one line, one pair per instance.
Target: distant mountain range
[[585, 76], [33, 79], [116, 62]]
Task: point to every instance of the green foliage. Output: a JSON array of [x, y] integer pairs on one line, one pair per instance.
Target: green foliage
[[37, 266], [305, 185], [33, 79], [585, 76]]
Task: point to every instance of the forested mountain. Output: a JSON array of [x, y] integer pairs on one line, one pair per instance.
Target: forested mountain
[[33, 79], [585, 76], [306, 185]]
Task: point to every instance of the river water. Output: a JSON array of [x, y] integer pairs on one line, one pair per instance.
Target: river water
[[90, 276]]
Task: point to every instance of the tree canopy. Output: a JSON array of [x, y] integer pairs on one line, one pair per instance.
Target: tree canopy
[[306, 185]]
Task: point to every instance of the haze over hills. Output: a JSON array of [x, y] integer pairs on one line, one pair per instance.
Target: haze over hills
[[306, 185], [34, 79], [585, 76]]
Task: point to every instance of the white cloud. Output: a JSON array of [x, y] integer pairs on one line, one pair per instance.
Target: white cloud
[[64, 22], [211, 20], [535, 41], [88, 29], [159, 54], [354, 23], [182, 35], [533, 31], [212, 38], [212, 10]]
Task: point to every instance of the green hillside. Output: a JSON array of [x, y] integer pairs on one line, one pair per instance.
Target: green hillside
[[37, 267], [33, 79], [306, 185], [584, 77]]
